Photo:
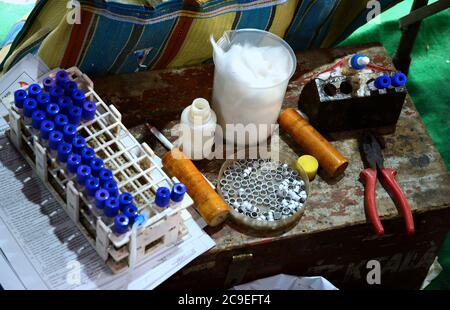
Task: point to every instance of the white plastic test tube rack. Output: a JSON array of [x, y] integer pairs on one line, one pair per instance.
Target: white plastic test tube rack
[[136, 170]]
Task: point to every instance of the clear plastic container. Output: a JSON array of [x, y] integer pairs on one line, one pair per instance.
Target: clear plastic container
[[240, 101]]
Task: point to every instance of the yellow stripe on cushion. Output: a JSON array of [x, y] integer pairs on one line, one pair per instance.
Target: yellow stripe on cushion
[[196, 47], [283, 17], [345, 14]]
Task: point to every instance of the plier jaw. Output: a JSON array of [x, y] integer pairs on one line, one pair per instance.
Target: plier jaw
[[371, 154]]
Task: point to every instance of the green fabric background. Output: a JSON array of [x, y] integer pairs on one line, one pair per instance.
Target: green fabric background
[[428, 83]]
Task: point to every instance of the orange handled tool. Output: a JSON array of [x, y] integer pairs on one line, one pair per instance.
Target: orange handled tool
[[372, 156], [207, 202]]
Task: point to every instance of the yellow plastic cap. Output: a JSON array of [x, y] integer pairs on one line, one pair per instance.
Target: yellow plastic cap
[[309, 164]]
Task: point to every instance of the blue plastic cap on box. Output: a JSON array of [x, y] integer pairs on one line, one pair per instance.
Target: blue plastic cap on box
[[48, 83], [43, 100], [69, 133], [55, 93], [399, 79], [89, 109], [382, 82], [111, 207], [78, 143], [46, 128], [100, 198], [112, 188], [83, 172], [19, 97], [140, 219], [65, 104], [34, 90], [29, 106], [64, 150], [96, 166], [54, 139], [125, 199], [37, 118], [162, 198], [121, 223], [105, 175], [178, 192], [87, 155], [74, 115], [131, 212], [73, 162], [92, 186], [52, 110], [61, 121]]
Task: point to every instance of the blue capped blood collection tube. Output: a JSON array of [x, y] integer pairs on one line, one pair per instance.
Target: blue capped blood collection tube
[[37, 118], [87, 155], [54, 140], [79, 97], [104, 176], [96, 166], [121, 223], [131, 212], [78, 143], [61, 77], [382, 82], [91, 186], [70, 88], [64, 150], [48, 83], [162, 199], [125, 200], [89, 109], [75, 115], [73, 162], [34, 90], [177, 194], [399, 79], [55, 93], [43, 100], [111, 210], [101, 196], [19, 97], [112, 188], [51, 111], [69, 132], [83, 173], [60, 122], [46, 128], [65, 104], [29, 106]]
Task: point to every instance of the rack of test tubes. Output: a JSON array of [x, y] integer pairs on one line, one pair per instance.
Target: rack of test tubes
[[111, 186]]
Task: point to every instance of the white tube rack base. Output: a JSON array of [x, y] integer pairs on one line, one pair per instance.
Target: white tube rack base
[[135, 168]]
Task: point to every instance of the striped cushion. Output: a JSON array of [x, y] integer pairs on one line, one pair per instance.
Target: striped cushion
[[115, 36]]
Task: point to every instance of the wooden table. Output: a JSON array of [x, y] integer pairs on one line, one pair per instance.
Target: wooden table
[[333, 239]]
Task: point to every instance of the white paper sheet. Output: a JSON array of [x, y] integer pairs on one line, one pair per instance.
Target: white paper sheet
[[41, 248]]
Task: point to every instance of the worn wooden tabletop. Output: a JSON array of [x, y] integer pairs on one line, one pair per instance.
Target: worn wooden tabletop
[[159, 97]]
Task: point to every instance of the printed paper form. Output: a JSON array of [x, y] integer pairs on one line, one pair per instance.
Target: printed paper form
[[41, 247]]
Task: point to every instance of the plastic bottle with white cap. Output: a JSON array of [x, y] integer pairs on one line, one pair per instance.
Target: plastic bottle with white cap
[[197, 129]]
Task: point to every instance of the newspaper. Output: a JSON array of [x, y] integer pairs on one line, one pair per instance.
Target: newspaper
[[41, 248]]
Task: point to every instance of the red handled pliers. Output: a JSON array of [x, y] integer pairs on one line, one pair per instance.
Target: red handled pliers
[[373, 158]]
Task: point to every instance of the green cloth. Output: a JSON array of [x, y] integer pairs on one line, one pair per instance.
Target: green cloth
[[428, 84]]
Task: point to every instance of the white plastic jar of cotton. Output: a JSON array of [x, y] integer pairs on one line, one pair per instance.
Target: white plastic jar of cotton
[[252, 72]]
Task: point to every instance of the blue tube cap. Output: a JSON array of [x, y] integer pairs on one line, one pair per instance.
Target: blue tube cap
[[121, 223], [382, 82], [64, 150], [87, 155], [52, 110], [105, 175], [19, 97], [100, 198], [75, 114], [162, 199], [46, 128], [61, 121], [34, 90], [399, 79], [355, 61], [96, 166], [83, 173], [112, 188], [125, 200], [89, 109], [111, 207], [48, 83], [69, 133], [92, 186], [131, 212], [78, 143], [78, 97], [178, 192], [29, 106], [37, 118], [65, 104], [54, 140], [73, 162], [70, 88], [55, 93], [43, 100], [61, 77], [139, 220]]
